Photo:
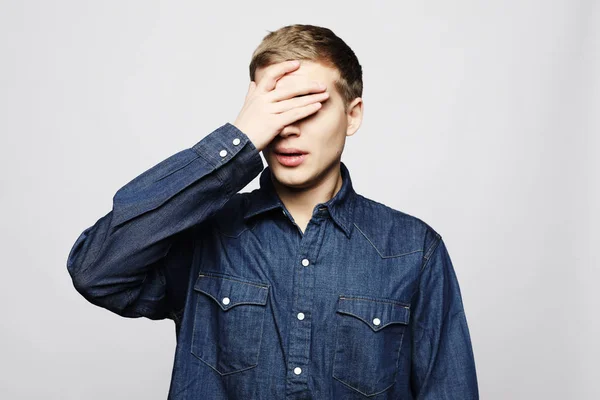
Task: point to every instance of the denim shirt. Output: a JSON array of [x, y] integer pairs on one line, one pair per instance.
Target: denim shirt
[[364, 304]]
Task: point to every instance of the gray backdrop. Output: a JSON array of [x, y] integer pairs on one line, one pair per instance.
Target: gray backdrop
[[481, 118]]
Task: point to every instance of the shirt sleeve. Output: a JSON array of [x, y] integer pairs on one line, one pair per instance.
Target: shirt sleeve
[[443, 365], [128, 261]]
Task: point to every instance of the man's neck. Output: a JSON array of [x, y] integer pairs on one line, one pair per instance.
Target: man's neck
[[301, 202]]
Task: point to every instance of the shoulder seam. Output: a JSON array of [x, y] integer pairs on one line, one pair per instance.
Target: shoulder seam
[[427, 253]]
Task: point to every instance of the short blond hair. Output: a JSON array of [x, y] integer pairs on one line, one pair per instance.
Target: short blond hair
[[312, 43]]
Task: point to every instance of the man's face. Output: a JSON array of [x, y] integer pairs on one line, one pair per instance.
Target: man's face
[[321, 135]]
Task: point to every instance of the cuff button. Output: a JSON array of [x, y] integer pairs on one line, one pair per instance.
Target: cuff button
[[236, 141], [223, 153]]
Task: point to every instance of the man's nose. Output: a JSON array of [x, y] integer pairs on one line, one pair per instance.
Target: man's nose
[[289, 130]]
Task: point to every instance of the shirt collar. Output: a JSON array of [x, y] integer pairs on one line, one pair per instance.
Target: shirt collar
[[340, 206]]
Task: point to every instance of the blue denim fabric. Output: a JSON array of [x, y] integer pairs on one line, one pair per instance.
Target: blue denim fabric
[[364, 304]]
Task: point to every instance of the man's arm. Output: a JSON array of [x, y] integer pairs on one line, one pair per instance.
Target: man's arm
[[135, 260], [443, 365], [123, 261]]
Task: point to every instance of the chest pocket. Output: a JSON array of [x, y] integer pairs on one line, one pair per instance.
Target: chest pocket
[[228, 322], [368, 341]]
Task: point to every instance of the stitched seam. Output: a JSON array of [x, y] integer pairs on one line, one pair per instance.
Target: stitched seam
[[376, 329], [389, 301], [364, 394], [377, 250], [430, 251], [212, 162], [234, 304], [215, 275]]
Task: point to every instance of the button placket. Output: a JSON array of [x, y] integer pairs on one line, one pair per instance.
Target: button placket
[[300, 338]]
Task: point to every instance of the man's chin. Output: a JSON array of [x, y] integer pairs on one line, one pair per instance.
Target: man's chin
[[293, 178]]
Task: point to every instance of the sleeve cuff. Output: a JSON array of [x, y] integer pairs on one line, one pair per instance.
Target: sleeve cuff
[[222, 144]]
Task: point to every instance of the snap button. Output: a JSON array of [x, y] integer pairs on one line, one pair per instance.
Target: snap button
[[376, 321], [305, 262], [225, 300], [223, 153], [297, 370], [236, 141], [300, 316]]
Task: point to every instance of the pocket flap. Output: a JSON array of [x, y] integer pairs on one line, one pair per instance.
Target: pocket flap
[[229, 292], [377, 313]]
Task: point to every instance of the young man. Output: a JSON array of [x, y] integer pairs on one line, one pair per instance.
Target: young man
[[302, 289]]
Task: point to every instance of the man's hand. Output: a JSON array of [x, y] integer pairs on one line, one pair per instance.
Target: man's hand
[[268, 109]]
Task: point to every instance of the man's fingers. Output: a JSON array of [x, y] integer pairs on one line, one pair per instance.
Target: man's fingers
[[274, 72], [289, 92], [297, 114], [296, 102]]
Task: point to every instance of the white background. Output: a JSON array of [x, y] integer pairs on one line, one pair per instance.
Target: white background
[[481, 118]]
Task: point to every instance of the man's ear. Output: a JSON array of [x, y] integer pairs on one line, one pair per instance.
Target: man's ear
[[354, 115]]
